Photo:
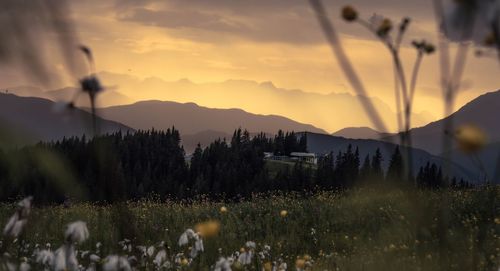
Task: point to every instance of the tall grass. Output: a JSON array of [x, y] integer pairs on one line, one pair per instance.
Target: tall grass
[[363, 229]]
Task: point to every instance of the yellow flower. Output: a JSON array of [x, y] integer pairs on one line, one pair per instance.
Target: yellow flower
[[349, 13], [268, 266], [184, 262], [283, 213], [208, 228], [300, 263], [497, 221], [470, 138]]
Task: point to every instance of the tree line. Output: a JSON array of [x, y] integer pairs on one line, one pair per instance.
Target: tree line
[[124, 166]]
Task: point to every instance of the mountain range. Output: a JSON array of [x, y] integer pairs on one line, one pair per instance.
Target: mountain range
[[327, 111], [31, 119]]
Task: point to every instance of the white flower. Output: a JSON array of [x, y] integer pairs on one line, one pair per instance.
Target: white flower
[[14, 226], [470, 20], [65, 258], [151, 251], [116, 263], [250, 245], [185, 237], [94, 258], [24, 266], [246, 257], [45, 257], [198, 246], [19, 219], [282, 267], [25, 204], [77, 232], [161, 259], [223, 264]]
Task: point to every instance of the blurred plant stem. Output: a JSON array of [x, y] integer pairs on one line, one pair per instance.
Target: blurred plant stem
[[345, 64], [450, 83]]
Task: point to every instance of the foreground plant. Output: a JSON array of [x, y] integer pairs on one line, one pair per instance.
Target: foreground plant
[[404, 91]]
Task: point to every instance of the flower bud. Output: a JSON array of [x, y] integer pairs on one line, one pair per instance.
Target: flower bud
[[349, 14]]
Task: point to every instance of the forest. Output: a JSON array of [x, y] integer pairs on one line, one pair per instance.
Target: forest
[[130, 166]]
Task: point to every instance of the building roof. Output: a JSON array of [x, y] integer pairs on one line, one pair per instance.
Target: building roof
[[303, 154]]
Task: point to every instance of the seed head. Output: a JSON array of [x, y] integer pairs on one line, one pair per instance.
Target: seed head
[[349, 14]]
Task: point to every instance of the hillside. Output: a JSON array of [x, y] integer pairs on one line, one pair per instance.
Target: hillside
[[190, 118], [323, 144], [482, 112], [29, 120]]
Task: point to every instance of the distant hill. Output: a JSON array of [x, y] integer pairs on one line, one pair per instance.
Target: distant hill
[[190, 118], [108, 97], [360, 133], [325, 110], [27, 120], [323, 144], [484, 112]]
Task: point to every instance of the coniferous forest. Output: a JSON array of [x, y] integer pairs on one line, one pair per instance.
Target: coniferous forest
[[120, 166]]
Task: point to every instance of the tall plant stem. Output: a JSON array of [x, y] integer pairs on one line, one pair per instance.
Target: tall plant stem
[[345, 64]]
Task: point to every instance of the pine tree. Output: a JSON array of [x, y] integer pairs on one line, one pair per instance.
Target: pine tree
[[395, 170]]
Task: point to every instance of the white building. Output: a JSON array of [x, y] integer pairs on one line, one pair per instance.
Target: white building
[[307, 157]]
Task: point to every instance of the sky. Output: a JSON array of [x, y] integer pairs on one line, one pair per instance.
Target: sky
[[260, 40]]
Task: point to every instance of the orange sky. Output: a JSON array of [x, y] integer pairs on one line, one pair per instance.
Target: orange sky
[[278, 41]]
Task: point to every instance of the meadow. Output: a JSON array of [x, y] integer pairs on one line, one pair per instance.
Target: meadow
[[358, 229]]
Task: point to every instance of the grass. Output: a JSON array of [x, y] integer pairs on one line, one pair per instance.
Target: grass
[[363, 229]]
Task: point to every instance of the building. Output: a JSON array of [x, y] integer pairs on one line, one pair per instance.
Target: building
[[306, 157]]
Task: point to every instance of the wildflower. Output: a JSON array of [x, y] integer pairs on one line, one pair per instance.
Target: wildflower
[[208, 229], [283, 213], [247, 253], [184, 239], [161, 259], [424, 47], [17, 221], [76, 232], [116, 263], [268, 266], [91, 85], [223, 209], [349, 14], [65, 258], [470, 138], [24, 266], [184, 262], [198, 247], [300, 264], [45, 257], [188, 235], [497, 221], [223, 264], [150, 251], [94, 258], [384, 28]]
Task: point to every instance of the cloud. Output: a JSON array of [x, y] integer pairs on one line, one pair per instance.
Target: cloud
[[287, 21]]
